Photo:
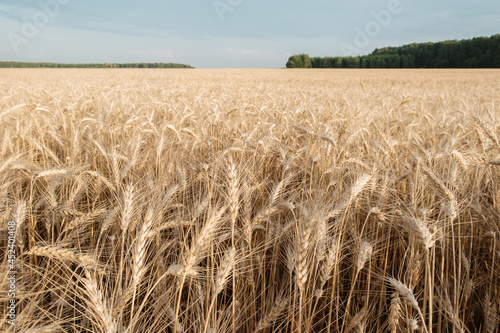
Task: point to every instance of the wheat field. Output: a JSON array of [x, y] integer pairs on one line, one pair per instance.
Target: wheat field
[[250, 200]]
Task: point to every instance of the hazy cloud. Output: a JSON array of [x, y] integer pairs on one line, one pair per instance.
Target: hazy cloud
[[255, 33]]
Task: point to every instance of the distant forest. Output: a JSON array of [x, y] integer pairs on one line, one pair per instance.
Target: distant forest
[[481, 52], [14, 64]]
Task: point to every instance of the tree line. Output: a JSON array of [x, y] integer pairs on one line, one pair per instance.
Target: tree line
[[480, 52], [16, 64]]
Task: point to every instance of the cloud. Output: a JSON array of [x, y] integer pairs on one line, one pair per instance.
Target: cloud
[[7, 9], [245, 52], [122, 29], [154, 55], [250, 57], [15, 12]]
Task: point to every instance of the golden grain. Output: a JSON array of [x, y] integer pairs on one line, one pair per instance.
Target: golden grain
[[251, 200]]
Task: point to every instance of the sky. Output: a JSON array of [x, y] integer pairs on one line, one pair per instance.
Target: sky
[[229, 33]]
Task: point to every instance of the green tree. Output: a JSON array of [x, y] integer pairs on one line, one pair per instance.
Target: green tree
[[306, 61], [294, 61]]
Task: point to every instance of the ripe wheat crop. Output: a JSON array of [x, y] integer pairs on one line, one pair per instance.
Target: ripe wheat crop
[[250, 200]]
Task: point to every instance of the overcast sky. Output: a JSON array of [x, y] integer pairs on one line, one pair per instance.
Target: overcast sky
[[229, 33]]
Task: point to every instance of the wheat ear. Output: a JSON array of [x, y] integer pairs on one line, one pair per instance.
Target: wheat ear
[[421, 231], [269, 319], [63, 255], [394, 313], [408, 296], [97, 302]]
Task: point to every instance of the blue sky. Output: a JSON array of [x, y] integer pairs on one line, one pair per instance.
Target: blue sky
[[229, 33]]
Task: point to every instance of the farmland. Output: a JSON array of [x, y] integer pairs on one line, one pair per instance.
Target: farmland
[[219, 200]]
